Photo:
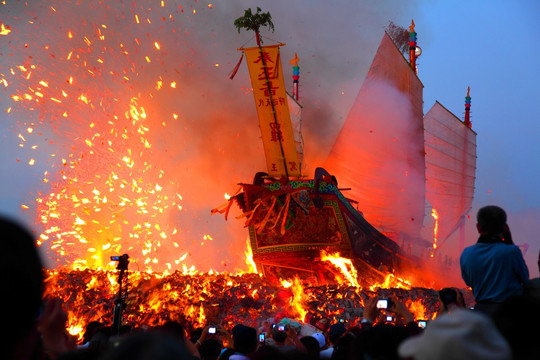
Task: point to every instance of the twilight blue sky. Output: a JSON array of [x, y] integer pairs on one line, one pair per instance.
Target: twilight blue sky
[[492, 47]]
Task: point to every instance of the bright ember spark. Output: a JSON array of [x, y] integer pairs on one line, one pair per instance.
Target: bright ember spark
[[4, 30]]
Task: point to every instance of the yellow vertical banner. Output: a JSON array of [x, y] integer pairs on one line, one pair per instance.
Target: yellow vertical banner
[[266, 75]]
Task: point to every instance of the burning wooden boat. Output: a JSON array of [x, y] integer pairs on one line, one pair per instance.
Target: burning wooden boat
[[294, 222]]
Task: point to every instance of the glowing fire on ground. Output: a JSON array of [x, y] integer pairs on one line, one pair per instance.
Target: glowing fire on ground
[[196, 299]]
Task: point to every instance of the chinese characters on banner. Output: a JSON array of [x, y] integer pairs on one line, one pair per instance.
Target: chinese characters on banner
[[276, 130]]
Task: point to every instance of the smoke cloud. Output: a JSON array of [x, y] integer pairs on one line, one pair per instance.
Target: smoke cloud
[[202, 127]]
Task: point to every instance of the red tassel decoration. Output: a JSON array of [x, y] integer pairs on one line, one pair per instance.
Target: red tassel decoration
[[235, 70]]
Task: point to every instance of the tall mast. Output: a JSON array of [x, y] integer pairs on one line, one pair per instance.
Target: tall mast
[[264, 64], [412, 46], [295, 76], [468, 108]]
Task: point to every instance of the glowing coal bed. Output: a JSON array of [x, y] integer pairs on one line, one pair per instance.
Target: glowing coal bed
[[200, 299]]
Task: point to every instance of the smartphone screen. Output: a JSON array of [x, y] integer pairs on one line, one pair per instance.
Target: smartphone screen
[[382, 304], [212, 330], [261, 338]]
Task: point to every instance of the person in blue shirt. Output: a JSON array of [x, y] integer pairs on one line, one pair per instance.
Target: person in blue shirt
[[494, 268]]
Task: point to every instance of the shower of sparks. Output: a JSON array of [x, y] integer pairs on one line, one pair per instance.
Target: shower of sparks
[[86, 110]]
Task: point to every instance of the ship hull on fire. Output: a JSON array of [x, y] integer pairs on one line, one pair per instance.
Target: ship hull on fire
[[292, 222]]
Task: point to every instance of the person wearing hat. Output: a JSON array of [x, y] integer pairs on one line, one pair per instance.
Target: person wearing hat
[[461, 334]]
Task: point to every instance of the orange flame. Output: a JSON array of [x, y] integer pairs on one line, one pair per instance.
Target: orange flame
[[252, 267], [298, 300], [344, 265], [417, 308], [391, 281], [435, 216]]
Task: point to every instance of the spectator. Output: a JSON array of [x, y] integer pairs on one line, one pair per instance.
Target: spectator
[[229, 351], [19, 256], [286, 339], [210, 349], [52, 328], [494, 270], [517, 319], [245, 342], [449, 300], [151, 345], [91, 328], [214, 332], [461, 334], [174, 329], [532, 288], [226, 353], [380, 341], [321, 339], [335, 332], [177, 331], [280, 336], [266, 352], [312, 346], [28, 337], [403, 315], [344, 345]]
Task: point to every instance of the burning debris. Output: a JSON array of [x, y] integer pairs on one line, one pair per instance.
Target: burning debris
[[220, 298]]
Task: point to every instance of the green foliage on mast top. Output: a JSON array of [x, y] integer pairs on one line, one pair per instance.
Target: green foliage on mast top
[[254, 22], [400, 37]]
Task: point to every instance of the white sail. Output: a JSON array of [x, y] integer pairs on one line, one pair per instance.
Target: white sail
[[379, 152], [450, 167]]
